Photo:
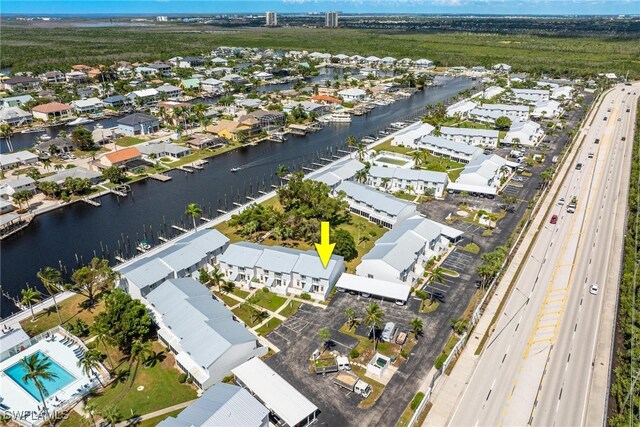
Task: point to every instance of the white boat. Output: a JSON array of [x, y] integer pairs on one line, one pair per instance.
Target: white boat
[[33, 130], [397, 125], [45, 137], [235, 169], [340, 118], [80, 121]]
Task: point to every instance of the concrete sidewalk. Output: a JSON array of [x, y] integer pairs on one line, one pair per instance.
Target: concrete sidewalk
[[449, 389]]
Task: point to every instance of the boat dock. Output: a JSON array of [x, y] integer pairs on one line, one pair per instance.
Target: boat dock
[[297, 129], [160, 177], [92, 202]]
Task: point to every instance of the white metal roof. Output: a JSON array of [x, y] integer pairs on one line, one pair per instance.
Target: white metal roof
[[382, 288], [274, 391]]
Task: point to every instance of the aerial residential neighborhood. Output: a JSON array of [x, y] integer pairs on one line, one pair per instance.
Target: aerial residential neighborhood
[[315, 215]]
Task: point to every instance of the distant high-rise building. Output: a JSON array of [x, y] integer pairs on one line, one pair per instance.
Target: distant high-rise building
[[162, 18], [331, 20], [272, 19]]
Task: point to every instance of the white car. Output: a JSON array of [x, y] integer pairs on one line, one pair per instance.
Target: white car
[[594, 289], [561, 201]]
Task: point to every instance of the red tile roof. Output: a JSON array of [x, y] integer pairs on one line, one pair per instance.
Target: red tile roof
[[123, 155], [52, 107], [326, 98]]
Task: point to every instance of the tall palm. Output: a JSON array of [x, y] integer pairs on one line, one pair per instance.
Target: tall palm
[[350, 315], [282, 172], [111, 414], [89, 412], [140, 352], [90, 363], [199, 109], [417, 157], [385, 182], [416, 325], [217, 277], [5, 132], [361, 176], [373, 318], [351, 141], [37, 370], [103, 335], [52, 281], [29, 297], [195, 211], [361, 149], [436, 275]]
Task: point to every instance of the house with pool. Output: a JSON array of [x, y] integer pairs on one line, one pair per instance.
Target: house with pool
[[21, 400]]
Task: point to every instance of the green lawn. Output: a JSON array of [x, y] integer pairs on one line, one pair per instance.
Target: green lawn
[[202, 154], [391, 161], [387, 146], [70, 310], [244, 314], [269, 300], [365, 234], [227, 299], [161, 388], [151, 422], [405, 196], [472, 248], [272, 324], [290, 309], [240, 293], [128, 141]]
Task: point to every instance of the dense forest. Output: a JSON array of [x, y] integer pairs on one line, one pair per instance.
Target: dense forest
[[28, 48], [625, 385]]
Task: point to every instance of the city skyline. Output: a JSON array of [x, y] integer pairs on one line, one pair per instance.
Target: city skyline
[[480, 7]]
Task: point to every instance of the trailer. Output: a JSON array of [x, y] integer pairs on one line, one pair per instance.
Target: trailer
[[352, 382], [325, 365]]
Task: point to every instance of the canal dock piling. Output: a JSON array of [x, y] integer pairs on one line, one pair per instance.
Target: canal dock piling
[[184, 230]]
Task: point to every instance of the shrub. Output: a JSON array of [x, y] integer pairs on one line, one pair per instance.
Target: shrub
[[373, 233], [354, 353], [440, 361], [404, 354], [417, 399], [265, 290], [189, 380], [182, 378], [228, 379], [79, 328], [305, 296]]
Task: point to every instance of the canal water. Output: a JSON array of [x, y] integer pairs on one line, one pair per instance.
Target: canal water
[[71, 236]]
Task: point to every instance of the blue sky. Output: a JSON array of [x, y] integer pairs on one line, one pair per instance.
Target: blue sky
[[521, 7]]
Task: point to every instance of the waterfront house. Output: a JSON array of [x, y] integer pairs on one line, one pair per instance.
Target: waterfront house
[[438, 146], [408, 136], [308, 107], [192, 83], [352, 94], [116, 101], [267, 120], [21, 84], [525, 133], [159, 149], [337, 172], [52, 112], [413, 181], [200, 331], [121, 157], [284, 270], [483, 175], [290, 407], [400, 254], [14, 116], [144, 96], [222, 405], [375, 206], [326, 99], [190, 62], [15, 101], [200, 141], [461, 108], [20, 184], [168, 91], [423, 64], [183, 258], [489, 93], [54, 146], [19, 158], [471, 136], [77, 172], [138, 124], [212, 86], [6, 207], [88, 106], [53, 77]]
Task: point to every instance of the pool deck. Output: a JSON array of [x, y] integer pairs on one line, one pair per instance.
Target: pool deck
[[18, 400]]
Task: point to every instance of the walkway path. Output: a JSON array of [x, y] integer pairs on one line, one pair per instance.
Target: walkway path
[[154, 414]]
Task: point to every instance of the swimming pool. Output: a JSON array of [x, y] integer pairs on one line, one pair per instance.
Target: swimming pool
[[62, 379]]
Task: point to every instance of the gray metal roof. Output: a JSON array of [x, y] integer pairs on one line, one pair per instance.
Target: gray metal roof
[[222, 405], [136, 119], [337, 172], [489, 133], [205, 327], [408, 174], [77, 172], [445, 144], [368, 195], [504, 107]]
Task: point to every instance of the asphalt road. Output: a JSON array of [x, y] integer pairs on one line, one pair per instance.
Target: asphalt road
[[537, 365]]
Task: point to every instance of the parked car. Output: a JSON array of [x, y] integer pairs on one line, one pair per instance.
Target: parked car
[[561, 201], [590, 155], [579, 166], [594, 289], [554, 219]]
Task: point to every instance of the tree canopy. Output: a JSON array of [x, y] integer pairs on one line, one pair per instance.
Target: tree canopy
[[82, 138], [126, 319]]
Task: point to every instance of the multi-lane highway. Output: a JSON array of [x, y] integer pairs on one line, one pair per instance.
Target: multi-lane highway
[[537, 366]]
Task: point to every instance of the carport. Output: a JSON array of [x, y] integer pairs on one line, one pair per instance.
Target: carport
[[394, 291]]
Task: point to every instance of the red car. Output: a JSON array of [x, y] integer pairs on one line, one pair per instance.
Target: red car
[[554, 219]]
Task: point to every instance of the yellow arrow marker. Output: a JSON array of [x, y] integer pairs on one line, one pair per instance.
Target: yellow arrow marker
[[324, 248]]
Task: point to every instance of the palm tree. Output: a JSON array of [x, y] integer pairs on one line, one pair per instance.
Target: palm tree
[[351, 315], [216, 277], [195, 211], [351, 141], [416, 325], [227, 286], [89, 412], [199, 109], [418, 158], [111, 414], [103, 335], [52, 281], [29, 297], [5, 132], [325, 336], [385, 182], [37, 370], [436, 275], [90, 363], [140, 351], [361, 149], [373, 318], [361, 176], [282, 172]]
